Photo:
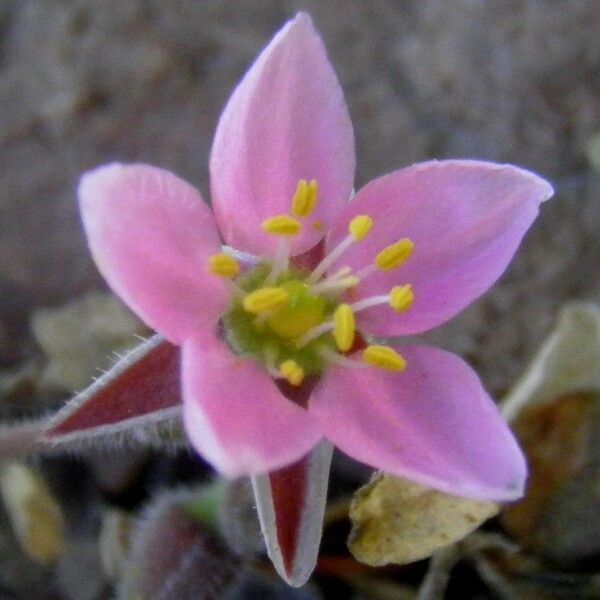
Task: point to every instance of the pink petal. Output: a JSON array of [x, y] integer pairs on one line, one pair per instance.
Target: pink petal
[[151, 234], [466, 219], [432, 423], [235, 415], [287, 120]]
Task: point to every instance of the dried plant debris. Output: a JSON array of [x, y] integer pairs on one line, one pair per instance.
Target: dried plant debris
[[555, 412], [82, 337], [35, 515], [399, 521], [559, 518], [567, 361], [114, 541]]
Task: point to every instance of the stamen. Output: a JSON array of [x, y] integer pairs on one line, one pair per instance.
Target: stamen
[[265, 300], [369, 302], [329, 260], [247, 259], [281, 261], [340, 273], [335, 285], [384, 357], [339, 359], [314, 333], [281, 225], [394, 255], [366, 271], [270, 355], [305, 198], [344, 327], [359, 227], [291, 371], [223, 265], [401, 298]]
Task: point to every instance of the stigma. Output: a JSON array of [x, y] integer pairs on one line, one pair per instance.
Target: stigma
[[297, 322]]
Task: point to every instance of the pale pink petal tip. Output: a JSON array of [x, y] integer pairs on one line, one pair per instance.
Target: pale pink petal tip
[[466, 219], [433, 423], [287, 120], [235, 415], [150, 235]]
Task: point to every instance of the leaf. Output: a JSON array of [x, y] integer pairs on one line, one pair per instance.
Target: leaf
[[399, 521], [291, 506], [204, 507]]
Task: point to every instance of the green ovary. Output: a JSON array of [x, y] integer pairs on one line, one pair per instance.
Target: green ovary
[[303, 312], [273, 337]]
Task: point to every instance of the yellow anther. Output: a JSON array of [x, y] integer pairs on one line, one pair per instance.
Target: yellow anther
[[291, 371], [343, 327], [305, 198], [281, 225], [394, 255], [265, 300], [359, 227], [383, 357], [223, 265], [401, 298]]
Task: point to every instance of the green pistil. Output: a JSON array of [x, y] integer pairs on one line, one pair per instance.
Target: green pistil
[[302, 312], [276, 335]]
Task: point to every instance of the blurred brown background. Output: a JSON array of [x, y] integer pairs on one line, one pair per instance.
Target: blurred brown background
[[87, 81]]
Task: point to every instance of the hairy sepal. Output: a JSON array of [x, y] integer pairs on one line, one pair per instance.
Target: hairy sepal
[[135, 403]]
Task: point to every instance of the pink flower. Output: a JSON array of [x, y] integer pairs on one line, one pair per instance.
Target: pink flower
[[273, 328]]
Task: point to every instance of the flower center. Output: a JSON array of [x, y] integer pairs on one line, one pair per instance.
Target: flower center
[[303, 311], [295, 322]]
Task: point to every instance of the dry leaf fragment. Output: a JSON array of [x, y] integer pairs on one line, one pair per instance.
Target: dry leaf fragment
[[555, 412], [555, 437], [35, 515], [114, 541], [568, 361], [82, 336], [399, 521]]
